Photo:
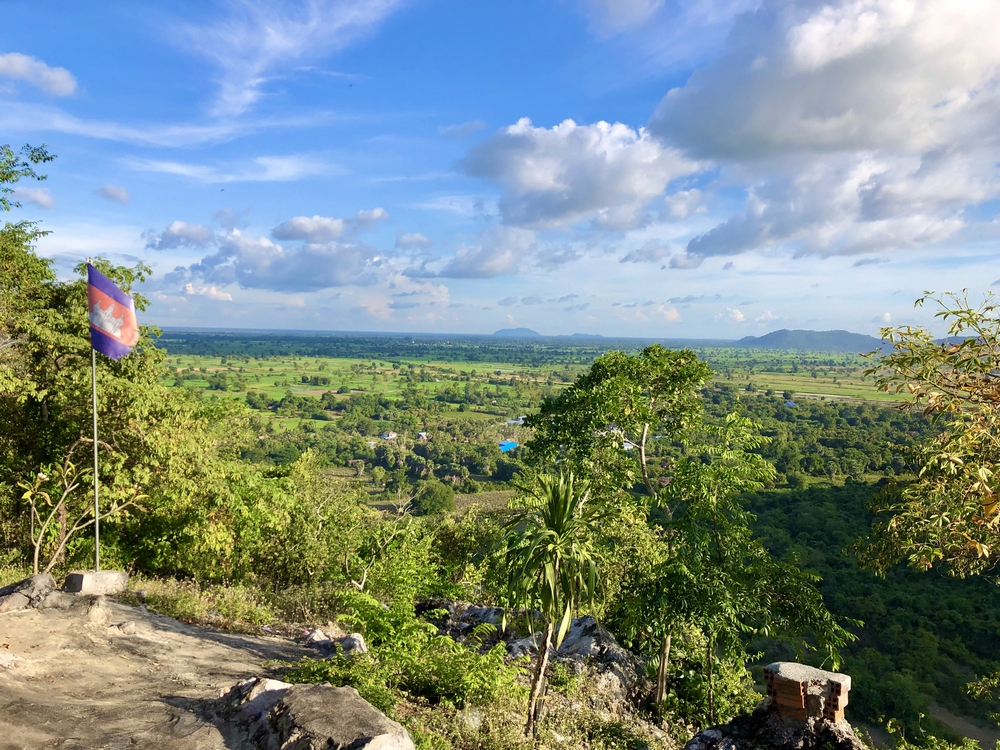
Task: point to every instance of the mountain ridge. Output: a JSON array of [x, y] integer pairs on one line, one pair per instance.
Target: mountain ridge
[[834, 341]]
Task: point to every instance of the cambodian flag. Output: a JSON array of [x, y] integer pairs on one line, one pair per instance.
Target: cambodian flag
[[113, 327]]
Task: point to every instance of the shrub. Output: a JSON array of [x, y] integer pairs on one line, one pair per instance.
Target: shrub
[[433, 498]]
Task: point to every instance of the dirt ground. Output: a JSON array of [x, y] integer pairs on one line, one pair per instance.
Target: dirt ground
[[81, 685]]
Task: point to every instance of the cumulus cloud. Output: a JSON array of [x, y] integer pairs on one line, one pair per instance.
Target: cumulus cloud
[[669, 314], [254, 43], [531, 299], [55, 81], [114, 193], [683, 203], [499, 252], [731, 314], [885, 318], [179, 234], [212, 292], [577, 308], [259, 263], [326, 228], [834, 167], [766, 317], [550, 177], [40, 197], [650, 252], [507, 301]]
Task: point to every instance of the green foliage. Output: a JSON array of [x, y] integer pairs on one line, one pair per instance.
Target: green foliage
[[409, 660], [551, 550], [924, 636], [951, 514], [433, 498], [620, 399]]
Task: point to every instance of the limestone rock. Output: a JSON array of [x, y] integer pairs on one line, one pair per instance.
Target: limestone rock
[[317, 638], [97, 583], [26, 593], [99, 612], [766, 729], [56, 600], [278, 716], [354, 643], [122, 628]]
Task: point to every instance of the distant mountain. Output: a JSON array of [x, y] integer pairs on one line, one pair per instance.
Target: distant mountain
[[585, 336], [517, 333], [817, 341]]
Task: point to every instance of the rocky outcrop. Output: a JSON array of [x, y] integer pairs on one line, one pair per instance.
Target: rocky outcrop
[[618, 674], [278, 716], [804, 710], [351, 644], [27, 593]]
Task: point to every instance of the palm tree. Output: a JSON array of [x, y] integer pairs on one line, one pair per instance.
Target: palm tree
[[553, 558]]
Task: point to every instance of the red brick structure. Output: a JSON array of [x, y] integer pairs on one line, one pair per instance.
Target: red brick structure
[[804, 693]]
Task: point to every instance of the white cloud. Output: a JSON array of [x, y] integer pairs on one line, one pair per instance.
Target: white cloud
[[114, 193], [412, 239], [766, 317], [315, 229], [258, 40], [856, 125], [885, 318], [683, 203], [40, 197], [928, 69], [731, 314], [327, 228], [260, 169], [55, 81], [259, 263], [179, 234], [499, 252], [670, 314], [572, 173], [212, 292]]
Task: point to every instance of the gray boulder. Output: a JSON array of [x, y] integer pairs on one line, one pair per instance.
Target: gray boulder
[[26, 593], [766, 729], [619, 673], [275, 715]]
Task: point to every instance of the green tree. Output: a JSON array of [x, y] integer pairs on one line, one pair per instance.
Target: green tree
[[553, 564], [620, 400], [433, 498], [951, 514]]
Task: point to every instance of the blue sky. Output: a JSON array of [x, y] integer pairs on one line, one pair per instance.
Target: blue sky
[[684, 168]]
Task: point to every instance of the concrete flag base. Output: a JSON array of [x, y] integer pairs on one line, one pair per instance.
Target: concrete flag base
[[97, 583]]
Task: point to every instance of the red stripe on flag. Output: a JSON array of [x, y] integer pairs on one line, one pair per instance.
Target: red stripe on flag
[[128, 332]]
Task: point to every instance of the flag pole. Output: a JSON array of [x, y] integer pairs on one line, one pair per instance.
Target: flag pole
[[97, 513], [97, 507]]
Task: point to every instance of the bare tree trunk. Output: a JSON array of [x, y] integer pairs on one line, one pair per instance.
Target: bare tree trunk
[[538, 682], [711, 683], [63, 531], [661, 676]]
